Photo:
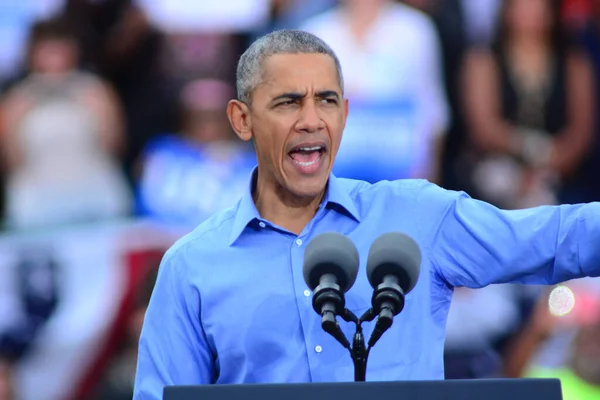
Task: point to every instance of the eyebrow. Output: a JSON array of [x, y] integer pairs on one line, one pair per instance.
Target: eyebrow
[[300, 96], [328, 93], [289, 96]]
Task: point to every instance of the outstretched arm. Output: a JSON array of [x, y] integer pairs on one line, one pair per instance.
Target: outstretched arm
[[173, 348], [474, 244]]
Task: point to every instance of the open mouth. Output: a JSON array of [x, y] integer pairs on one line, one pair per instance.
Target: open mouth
[[307, 157]]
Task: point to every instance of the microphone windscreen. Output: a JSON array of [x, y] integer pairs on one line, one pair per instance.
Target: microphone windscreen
[[394, 253], [331, 253]]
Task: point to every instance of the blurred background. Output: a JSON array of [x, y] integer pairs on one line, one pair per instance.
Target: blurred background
[[114, 143]]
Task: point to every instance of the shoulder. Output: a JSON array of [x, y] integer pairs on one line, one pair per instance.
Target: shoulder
[[21, 89], [207, 239], [94, 87], [396, 193]]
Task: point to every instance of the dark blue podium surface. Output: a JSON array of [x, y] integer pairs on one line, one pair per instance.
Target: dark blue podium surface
[[480, 389]]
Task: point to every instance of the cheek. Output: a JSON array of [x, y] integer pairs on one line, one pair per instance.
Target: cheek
[[336, 130], [277, 133], [270, 141]]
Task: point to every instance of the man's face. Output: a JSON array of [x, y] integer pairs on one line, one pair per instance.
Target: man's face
[[297, 118]]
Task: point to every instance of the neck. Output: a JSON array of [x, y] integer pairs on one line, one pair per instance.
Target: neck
[[528, 45], [53, 76], [283, 208]]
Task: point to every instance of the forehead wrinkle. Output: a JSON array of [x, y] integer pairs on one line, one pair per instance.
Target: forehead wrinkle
[[279, 79]]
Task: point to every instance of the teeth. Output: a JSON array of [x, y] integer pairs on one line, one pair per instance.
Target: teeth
[[314, 148], [307, 164]]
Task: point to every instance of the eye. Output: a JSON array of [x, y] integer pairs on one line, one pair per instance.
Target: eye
[[287, 103], [330, 100]]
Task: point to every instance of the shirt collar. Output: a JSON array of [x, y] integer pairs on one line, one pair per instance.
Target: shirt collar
[[337, 197]]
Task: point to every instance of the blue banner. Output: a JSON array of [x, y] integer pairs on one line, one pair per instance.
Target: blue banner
[[184, 183], [381, 141]]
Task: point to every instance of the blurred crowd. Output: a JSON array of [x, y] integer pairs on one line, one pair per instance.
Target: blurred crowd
[[114, 110]]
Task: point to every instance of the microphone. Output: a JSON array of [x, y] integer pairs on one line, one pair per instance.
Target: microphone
[[393, 269], [330, 269]]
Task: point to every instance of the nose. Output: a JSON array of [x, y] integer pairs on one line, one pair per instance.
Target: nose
[[310, 121]]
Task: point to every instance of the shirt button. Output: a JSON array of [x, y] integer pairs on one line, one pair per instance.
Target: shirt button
[[307, 293], [299, 242], [262, 224], [318, 349]]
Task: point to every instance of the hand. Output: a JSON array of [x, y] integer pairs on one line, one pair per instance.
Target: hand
[[537, 188], [535, 147]]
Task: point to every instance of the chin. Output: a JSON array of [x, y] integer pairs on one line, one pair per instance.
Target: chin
[[308, 187]]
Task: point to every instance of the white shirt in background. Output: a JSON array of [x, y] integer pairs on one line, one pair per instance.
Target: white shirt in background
[[394, 83]]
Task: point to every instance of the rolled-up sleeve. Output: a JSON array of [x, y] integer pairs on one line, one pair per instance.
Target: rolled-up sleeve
[[474, 244], [173, 349]]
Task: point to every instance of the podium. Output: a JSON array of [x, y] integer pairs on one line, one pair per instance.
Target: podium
[[479, 389]]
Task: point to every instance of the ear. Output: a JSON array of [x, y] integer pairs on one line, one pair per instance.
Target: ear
[[345, 108], [345, 111], [240, 120]]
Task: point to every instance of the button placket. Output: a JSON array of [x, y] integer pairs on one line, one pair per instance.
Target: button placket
[[308, 318]]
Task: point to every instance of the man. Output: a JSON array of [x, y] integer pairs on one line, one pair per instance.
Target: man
[[230, 304]]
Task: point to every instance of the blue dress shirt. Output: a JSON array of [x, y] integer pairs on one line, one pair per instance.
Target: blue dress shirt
[[230, 304]]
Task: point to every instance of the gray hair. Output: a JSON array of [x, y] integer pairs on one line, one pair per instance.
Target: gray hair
[[249, 69]]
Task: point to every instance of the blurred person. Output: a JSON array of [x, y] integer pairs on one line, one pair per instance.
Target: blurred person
[[452, 23], [120, 43], [529, 106], [585, 185], [580, 373], [291, 105], [460, 24], [62, 136], [391, 56], [189, 175], [481, 324]]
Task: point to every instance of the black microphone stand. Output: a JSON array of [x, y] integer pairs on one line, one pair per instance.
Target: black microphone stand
[[359, 352], [330, 303]]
